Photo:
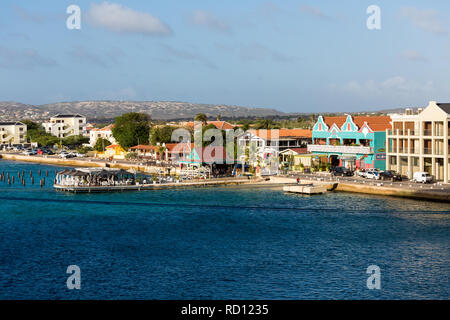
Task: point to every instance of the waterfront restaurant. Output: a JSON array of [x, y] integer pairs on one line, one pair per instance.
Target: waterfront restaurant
[[90, 177], [354, 142], [215, 158], [419, 141]]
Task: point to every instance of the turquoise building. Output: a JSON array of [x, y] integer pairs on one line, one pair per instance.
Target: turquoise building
[[354, 142]]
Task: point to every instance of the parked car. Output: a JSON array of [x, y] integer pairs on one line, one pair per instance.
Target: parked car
[[30, 152], [341, 171], [66, 155], [79, 155], [423, 177], [373, 174], [361, 173], [390, 175], [48, 151]]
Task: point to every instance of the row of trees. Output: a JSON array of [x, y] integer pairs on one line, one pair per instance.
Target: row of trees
[[134, 128]]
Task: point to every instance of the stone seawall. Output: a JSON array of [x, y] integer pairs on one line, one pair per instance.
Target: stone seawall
[[395, 192]]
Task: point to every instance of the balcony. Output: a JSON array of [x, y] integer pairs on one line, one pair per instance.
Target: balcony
[[339, 149], [399, 132]]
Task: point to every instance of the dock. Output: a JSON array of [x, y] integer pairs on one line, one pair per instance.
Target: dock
[[309, 189]]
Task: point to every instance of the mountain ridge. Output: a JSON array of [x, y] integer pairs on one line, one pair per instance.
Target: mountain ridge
[[101, 109]]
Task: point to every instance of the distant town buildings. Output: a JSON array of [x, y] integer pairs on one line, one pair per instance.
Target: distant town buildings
[[104, 133], [66, 125], [13, 132], [419, 142], [357, 142]]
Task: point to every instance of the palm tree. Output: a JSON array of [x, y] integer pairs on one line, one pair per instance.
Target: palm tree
[[264, 124], [161, 151], [201, 117]]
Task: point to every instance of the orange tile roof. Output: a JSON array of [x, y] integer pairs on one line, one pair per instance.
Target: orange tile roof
[[222, 125], [143, 147], [179, 147], [376, 123], [299, 150]]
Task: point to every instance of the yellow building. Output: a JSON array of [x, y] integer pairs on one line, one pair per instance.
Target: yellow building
[[113, 151]]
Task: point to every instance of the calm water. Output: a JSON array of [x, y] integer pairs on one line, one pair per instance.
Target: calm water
[[218, 243]]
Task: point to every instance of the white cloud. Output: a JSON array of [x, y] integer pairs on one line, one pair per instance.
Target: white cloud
[[23, 59], [121, 19], [107, 57], [209, 20], [428, 20], [314, 11], [396, 87], [186, 55], [393, 91], [258, 52], [412, 55]]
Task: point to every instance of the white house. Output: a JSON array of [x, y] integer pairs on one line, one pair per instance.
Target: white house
[[13, 132], [66, 125], [104, 133]]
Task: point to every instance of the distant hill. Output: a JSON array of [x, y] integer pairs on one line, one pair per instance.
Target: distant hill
[[163, 110]]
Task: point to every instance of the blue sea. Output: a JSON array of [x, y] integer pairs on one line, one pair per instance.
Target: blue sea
[[217, 243]]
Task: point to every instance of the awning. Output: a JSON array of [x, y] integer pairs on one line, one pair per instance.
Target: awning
[[347, 157]]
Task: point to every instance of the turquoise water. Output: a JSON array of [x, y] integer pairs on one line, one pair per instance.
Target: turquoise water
[[218, 243]]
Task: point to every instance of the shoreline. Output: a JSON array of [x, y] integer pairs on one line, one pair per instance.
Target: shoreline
[[78, 162], [417, 193]]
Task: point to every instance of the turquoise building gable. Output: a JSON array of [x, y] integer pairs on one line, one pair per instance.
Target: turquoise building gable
[[354, 142]]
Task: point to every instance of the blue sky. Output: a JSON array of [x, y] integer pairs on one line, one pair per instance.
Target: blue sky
[[295, 56]]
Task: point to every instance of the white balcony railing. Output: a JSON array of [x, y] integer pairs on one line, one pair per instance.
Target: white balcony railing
[[339, 149]]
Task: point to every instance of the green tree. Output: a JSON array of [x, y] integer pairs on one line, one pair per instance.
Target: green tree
[[131, 129], [36, 133], [161, 151], [75, 141], [245, 126], [101, 144], [266, 124], [161, 134], [131, 156], [201, 117]]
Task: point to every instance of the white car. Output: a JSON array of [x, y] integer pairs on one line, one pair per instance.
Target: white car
[[373, 174], [79, 155], [66, 155], [361, 173], [423, 177]]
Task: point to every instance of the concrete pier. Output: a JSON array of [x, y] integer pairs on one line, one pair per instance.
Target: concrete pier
[[306, 189]]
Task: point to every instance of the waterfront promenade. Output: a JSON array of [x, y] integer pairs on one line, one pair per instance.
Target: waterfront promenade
[[407, 189]]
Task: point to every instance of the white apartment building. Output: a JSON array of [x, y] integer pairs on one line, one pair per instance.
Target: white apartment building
[[13, 133], [65, 125], [104, 133], [420, 141]]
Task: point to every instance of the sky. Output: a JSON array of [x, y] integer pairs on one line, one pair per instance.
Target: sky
[[294, 56]]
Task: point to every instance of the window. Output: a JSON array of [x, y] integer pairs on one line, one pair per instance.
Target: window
[[393, 160]]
